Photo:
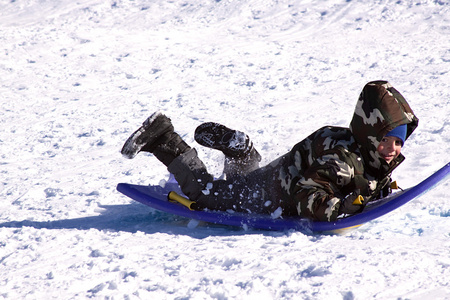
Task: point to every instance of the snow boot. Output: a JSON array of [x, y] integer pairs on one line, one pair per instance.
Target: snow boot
[[241, 156], [157, 136]]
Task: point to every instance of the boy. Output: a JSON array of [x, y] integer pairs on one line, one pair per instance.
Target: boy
[[322, 177]]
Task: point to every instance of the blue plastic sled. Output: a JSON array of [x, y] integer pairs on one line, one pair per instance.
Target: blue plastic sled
[[156, 197]]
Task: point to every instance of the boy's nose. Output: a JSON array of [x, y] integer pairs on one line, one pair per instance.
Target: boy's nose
[[391, 145]]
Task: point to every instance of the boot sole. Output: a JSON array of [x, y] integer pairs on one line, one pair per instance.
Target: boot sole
[[217, 136], [152, 128]]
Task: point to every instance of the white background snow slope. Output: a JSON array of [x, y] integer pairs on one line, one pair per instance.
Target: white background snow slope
[[78, 77]]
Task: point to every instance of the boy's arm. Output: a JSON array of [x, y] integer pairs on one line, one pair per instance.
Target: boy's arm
[[318, 194]]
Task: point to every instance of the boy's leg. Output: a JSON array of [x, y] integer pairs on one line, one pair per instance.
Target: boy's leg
[[239, 193], [191, 174], [157, 136], [241, 156]]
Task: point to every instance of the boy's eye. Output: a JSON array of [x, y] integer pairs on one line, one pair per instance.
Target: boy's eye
[[398, 143]]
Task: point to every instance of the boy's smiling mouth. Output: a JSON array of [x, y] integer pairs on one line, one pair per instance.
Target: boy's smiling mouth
[[387, 157]]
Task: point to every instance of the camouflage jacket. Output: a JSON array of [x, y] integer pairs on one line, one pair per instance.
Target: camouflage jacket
[[332, 162]]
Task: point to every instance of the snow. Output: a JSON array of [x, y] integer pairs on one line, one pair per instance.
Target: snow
[[78, 77]]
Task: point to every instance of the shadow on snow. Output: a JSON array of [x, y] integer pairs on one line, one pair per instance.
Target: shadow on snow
[[135, 217]]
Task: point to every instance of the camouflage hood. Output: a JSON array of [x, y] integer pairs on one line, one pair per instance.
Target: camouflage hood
[[380, 108]]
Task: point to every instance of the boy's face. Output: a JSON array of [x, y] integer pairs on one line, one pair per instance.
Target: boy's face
[[389, 148]]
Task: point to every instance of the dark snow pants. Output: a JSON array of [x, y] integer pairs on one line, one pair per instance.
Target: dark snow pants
[[243, 193]]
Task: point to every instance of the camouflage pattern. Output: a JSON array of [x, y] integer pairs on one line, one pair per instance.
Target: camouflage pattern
[[313, 178]]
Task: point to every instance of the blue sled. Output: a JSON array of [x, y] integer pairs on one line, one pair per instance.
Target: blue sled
[[156, 197]]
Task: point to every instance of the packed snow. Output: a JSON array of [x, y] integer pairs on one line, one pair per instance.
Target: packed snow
[[78, 77]]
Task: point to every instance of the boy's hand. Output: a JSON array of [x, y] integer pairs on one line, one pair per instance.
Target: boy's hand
[[352, 204]]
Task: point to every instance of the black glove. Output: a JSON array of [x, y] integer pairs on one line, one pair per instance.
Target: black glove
[[352, 204]]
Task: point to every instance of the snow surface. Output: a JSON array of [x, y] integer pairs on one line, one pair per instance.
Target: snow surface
[[78, 77]]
